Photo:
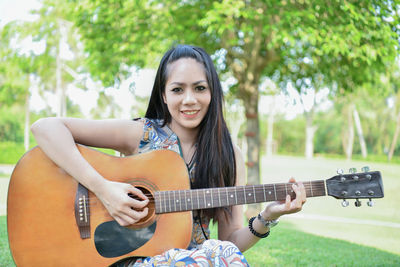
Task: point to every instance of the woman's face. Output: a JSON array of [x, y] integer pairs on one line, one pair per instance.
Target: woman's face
[[187, 94]]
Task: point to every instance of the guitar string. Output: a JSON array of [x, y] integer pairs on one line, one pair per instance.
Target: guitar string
[[315, 186], [281, 192], [242, 189]]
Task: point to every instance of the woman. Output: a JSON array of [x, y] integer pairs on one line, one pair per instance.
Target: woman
[[185, 115]]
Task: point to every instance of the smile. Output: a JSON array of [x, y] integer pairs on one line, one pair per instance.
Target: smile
[[192, 112]]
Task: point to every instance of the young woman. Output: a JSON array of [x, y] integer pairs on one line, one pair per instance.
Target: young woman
[[185, 114]]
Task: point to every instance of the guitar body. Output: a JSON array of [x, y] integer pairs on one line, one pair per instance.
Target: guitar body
[[41, 219]]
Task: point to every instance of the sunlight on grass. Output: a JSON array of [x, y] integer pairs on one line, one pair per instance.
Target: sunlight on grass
[[280, 168]]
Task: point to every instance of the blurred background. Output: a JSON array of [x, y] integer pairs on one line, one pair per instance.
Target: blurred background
[[310, 86]]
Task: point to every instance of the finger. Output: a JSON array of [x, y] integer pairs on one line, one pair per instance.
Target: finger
[[137, 215], [287, 203], [298, 201], [303, 191], [292, 180], [137, 204], [137, 192]]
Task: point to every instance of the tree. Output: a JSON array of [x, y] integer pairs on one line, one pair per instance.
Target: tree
[[249, 39], [60, 63], [15, 74]]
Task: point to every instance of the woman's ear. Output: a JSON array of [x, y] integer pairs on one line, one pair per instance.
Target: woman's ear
[[164, 98]]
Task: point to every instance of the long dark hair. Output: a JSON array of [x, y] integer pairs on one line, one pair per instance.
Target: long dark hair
[[215, 158]]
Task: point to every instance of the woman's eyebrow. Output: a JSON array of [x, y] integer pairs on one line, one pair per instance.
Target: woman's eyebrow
[[195, 83]]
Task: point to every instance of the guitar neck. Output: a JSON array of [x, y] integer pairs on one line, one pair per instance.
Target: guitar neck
[[185, 200]]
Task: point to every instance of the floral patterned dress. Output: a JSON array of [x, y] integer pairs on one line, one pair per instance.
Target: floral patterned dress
[[202, 251]]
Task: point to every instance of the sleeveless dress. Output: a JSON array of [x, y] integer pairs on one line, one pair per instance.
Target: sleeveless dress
[[202, 251]]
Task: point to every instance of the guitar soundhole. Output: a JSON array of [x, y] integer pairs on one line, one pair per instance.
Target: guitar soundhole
[[150, 218]]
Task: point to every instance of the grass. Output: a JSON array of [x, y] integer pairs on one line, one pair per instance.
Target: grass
[[313, 242], [5, 255], [286, 246], [289, 247]]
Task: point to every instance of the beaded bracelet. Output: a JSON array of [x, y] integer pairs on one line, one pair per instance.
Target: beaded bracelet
[[254, 232]]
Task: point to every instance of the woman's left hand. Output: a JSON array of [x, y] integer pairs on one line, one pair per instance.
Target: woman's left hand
[[279, 208]]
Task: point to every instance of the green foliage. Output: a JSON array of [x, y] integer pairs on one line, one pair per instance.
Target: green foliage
[[290, 135], [327, 138], [11, 152], [14, 78], [11, 124]]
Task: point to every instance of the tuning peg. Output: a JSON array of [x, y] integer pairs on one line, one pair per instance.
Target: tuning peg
[[357, 203], [345, 203], [370, 203], [352, 170], [365, 169], [339, 171]]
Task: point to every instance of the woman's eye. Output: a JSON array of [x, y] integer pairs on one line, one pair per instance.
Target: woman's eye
[[176, 90], [200, 88]]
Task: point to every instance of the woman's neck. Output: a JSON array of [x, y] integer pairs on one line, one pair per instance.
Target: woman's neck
[[187, 137]]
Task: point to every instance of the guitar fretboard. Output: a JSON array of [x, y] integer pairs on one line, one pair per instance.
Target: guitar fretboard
[[184, 200]]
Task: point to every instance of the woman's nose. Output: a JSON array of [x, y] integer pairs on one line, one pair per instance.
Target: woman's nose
[[190, 98]]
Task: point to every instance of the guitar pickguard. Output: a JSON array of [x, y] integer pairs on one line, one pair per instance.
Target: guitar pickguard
[[113, 240]]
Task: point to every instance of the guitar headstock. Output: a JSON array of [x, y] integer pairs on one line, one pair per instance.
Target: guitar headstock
[[355, 185]]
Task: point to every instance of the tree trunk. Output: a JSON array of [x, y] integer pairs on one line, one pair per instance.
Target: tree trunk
[[310, 132], [360, 133], [350, 133], [395, 136], [253, 145]]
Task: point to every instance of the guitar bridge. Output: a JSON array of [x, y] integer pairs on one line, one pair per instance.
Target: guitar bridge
[[82, 211]]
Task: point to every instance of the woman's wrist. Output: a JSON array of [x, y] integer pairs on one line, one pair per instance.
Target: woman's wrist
[[267, 216]]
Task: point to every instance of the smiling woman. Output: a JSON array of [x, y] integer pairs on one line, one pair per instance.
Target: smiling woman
[[184, 115], [187, 95]]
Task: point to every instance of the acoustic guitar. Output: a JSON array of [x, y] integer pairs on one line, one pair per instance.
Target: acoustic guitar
[[54, 221]]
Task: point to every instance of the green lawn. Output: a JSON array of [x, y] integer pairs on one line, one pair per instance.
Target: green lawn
[[363, 225], [284, 247], [327, 234]]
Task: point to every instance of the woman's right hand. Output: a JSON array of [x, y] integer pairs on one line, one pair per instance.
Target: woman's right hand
[[125, 209]]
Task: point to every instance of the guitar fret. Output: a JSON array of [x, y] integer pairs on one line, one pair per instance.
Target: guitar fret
[[159, 201], [212, 202], [204, 194], [219, 197], [165, 201], [190, 200], [227, 196], [171, 201], [265, 197], [198, 200], [179, 200], [185, 201]]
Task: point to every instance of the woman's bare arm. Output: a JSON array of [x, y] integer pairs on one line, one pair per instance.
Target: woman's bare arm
[[57, 138]]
